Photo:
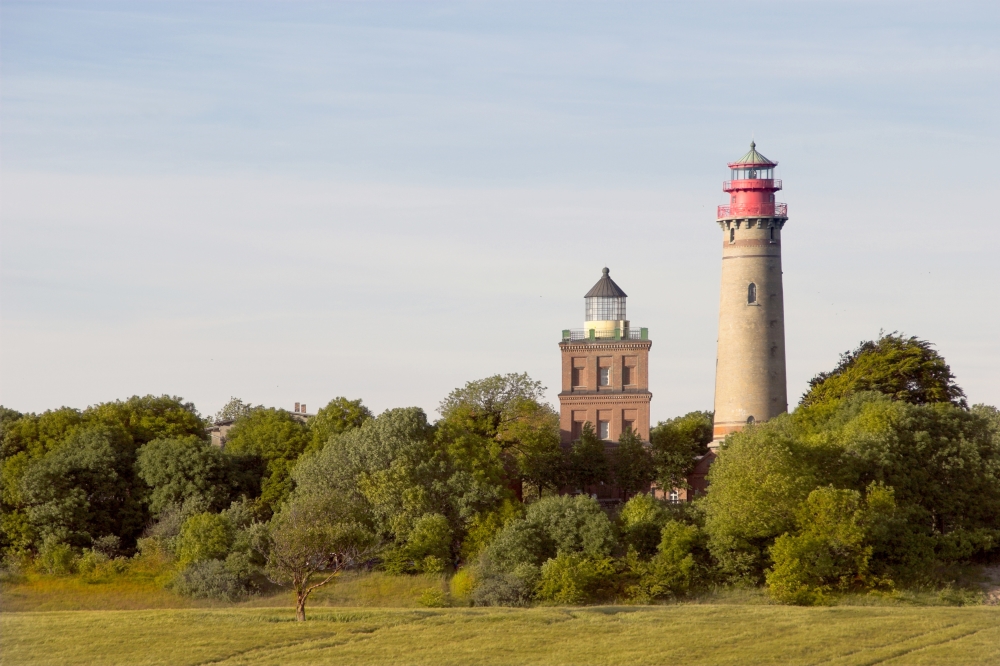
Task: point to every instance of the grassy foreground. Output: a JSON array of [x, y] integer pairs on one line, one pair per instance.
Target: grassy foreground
[[621, 635]]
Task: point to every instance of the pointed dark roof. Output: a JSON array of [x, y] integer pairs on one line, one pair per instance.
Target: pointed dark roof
[[753, 158], [606, 288]]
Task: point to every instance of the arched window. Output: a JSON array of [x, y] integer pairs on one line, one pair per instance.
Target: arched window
[[732, 235], [752, 293], [749, 420]]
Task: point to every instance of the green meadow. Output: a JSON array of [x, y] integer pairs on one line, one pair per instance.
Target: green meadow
[[620, 635]]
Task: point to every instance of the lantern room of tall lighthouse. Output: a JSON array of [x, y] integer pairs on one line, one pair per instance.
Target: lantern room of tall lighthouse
[[750, 383]]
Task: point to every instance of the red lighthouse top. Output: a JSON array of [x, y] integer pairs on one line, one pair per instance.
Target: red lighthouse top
[[751, 190]]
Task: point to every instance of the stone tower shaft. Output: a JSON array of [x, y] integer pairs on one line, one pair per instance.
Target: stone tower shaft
[[750, 380]]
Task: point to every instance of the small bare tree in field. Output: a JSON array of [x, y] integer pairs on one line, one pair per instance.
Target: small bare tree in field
[[311, 540]]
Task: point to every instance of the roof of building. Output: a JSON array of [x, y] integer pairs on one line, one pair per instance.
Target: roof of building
[[606, 288], [752, 158]]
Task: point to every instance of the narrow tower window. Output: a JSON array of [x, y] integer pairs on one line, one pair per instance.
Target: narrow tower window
[[772, 233], [752, 293], [732, 235]]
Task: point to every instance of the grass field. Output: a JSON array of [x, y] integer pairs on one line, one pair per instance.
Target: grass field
[[680, 634]]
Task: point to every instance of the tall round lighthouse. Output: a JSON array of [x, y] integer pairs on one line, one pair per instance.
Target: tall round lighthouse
[[750, 363]]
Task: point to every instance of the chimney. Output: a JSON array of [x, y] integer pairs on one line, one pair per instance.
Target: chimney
[[296, 408], [303, 408]]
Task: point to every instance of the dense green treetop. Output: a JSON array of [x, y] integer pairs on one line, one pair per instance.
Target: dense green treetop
[[277, 438], [904, 368], [234, 409], [150, 417], [588, 460], [676, 445], [184, 468], [632, 464], [338, 416]]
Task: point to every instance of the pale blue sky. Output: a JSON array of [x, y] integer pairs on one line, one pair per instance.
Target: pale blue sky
[[289, 201]]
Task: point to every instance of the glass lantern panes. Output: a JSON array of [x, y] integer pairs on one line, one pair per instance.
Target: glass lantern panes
[[605, 308]]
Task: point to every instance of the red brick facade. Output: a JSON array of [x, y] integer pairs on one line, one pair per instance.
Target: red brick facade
[[623, 400]]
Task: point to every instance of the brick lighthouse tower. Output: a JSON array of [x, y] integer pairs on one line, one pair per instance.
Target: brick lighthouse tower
[[750, 364], [605, 370]]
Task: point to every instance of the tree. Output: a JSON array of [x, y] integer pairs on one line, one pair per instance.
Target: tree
[[339, 416], [179, 469], [315, 538], [150, 417], [84, 489], [588, 461], [633, 464], [832, 548], [499, 429], [235, 409], [904, 368], [277, 439], [676, 445]]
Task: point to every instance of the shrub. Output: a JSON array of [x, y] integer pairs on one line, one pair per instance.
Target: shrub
[[832, 550], [574, 579], [678, 567], [228, 580], [429, 542], [108, 545], [56, 558], [573, 524], [506, 589], [205, 536], [432, 598], [462, 584], [641, 521]]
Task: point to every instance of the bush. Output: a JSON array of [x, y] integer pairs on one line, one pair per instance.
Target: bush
[[429, 543], [205, 536], [574, 579], [641, 520], [433, 598], [56, 558], [462, 584], [228, 580], [677, 569], [832, 550], [506, 589]]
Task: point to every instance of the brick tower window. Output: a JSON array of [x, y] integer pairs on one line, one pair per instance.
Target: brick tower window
[[752, 293], [604, 375], [627, 376], [577, 376], [604, 429], [628, 425]]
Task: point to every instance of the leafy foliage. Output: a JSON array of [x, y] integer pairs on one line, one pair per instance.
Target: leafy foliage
[[904, 368], [234, 409], [338, 416], [276, 439], [205, 536], [832, 549], [179, 469], [588, 460], [676, 445], [314, 535], [632, 464]]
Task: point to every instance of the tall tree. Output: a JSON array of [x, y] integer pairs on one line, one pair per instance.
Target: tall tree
[[588, 460], [676, 445], [339, 416], [181, 469], [234, 409], [502, 429], [904, 368], [277, 439], [632, 464], [150, 417]]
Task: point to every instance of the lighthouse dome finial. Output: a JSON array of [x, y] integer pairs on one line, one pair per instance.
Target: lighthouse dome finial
[[605, 270], [752, 144]]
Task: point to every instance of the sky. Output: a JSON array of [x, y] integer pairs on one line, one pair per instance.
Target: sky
[[292, 201]]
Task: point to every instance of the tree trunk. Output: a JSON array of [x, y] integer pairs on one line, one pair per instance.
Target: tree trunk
[[300, 605]]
